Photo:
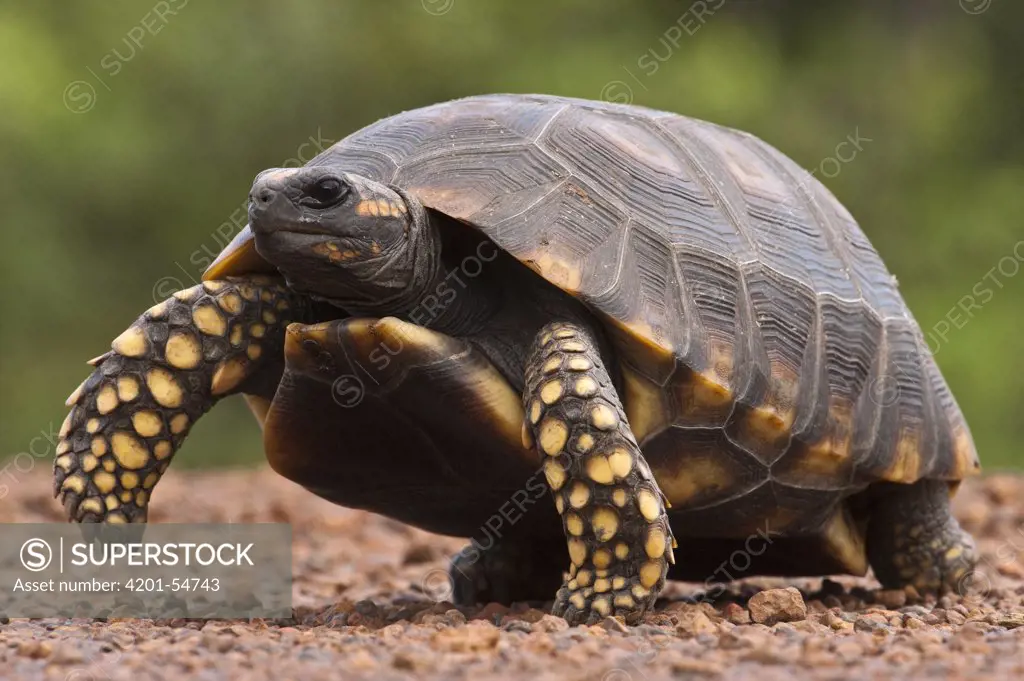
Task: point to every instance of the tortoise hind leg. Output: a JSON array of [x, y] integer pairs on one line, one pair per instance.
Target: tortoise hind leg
[[508, 571], [913, 539], [613, 512]]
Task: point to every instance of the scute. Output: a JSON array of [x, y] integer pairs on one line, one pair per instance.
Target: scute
[[748, 308]]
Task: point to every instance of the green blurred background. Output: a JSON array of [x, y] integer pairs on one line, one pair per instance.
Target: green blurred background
[[130, 132]]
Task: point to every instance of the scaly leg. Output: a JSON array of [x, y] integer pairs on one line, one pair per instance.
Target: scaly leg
[[129, 417], [913, 539], [613, 512]]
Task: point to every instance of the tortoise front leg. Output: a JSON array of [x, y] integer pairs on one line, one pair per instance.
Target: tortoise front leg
[[133, 412], [613, 512]]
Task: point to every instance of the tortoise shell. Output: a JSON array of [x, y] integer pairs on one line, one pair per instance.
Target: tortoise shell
[[751, 315], [769, 365]]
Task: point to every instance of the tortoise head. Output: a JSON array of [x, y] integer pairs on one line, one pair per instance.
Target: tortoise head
[[332, 234]]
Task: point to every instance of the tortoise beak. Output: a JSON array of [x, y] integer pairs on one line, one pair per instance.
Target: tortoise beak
[[239, 258]]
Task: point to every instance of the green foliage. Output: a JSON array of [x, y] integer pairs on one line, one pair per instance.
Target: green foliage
[[126, 194]]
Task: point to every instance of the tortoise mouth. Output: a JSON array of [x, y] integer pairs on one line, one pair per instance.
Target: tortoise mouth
[[239, 259]]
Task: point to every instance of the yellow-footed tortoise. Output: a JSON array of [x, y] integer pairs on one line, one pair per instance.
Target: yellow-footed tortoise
[[666, 323]]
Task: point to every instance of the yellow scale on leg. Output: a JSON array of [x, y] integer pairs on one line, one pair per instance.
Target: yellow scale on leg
[[619, 539]]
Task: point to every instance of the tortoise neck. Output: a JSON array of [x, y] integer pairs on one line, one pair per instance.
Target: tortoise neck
[[457, 299]]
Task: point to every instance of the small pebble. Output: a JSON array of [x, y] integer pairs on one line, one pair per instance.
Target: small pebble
[[694, 623], [735, 613], [871, 624], [777, 605]]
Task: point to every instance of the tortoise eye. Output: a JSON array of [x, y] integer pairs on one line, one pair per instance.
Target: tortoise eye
[[325, 192]]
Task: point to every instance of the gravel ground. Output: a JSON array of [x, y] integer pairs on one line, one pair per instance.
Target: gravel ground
[[363, 610]]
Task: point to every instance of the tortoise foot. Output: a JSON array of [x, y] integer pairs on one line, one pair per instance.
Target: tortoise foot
[[505, 573], [943, 563], [913, 540], [949, 568], [603, 597]]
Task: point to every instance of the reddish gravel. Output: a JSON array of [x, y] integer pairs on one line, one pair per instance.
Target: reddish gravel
[[363, 611]]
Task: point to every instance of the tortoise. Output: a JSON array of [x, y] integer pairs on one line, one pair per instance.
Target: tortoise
[[667, 324]]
